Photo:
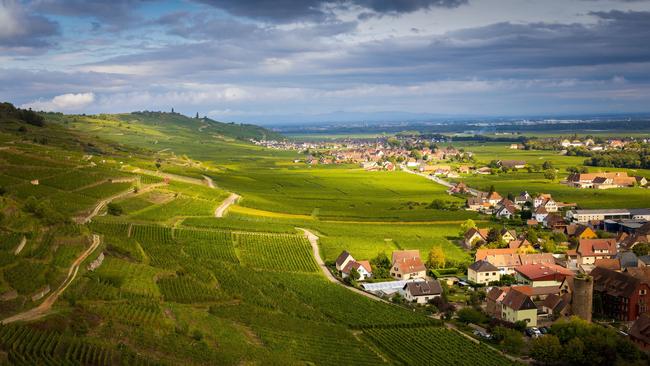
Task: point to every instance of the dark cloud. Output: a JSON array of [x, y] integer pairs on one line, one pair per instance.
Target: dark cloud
[[24, 31], [318, 10]]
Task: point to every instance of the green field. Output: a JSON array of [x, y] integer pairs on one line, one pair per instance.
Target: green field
[[521, 180], [179, 286]]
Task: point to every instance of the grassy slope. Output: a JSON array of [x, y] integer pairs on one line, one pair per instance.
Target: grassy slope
[[195, 297]]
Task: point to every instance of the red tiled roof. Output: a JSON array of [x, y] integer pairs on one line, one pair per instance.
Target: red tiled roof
[[609, 263], [587, 247], [543, 272]]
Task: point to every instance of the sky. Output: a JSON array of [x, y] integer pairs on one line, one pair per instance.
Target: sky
[[274, 61]]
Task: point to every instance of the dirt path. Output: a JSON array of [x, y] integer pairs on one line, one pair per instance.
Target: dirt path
[[170, 176], [44, 308], [313, 240], [223, 207], [209, 181], [441, 181], [20, 247], [101, 204]]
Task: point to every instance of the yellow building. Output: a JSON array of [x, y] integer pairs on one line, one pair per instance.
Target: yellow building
[[517, 306]]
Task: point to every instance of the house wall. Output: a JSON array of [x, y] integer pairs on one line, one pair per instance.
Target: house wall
[[482, 278], [512, 316], [419, 299], [626, 309], [408, 276]]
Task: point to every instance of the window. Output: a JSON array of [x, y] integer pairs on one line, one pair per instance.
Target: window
[[642, 292]]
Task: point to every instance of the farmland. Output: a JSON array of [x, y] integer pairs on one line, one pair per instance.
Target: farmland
[[515, 182], [178, 285]]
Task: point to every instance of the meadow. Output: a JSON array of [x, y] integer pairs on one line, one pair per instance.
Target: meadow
[[515, 182]]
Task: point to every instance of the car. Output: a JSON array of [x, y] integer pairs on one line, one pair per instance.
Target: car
[[529, 332], [533, 332], [544, 330], [481, 334]]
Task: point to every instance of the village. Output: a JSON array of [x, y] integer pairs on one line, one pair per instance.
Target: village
[[538, 260], [519, 281]]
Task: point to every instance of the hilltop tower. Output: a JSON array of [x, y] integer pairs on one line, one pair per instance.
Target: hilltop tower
[[583, 296]]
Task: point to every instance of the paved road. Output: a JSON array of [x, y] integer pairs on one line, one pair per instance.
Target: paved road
[[313, 240], [438, 180], [45, 307], [223, 207]]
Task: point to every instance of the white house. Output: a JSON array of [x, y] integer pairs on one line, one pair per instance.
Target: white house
[[343, 259], [483, 272], [363, 269], [540, 213], [422, 292]]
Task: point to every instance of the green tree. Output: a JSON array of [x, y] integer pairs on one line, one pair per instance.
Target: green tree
[[641, 249], [468, 224], [353, 277], [114, 209], [509, 339], [550, 174], [546, 350], [470, 315], [547, 165]]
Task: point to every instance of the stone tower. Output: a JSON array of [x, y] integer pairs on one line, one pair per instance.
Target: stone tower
[[583, 296]]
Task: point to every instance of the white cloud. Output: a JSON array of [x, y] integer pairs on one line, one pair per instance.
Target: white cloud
[[64, 102]]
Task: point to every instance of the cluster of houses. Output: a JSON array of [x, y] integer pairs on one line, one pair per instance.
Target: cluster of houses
[[540, 205], [590, 144], [408, 271], [605, 180], [601, 276], [383, 157]]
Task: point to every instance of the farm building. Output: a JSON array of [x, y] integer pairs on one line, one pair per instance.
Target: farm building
[[542, 275], [601, 180]]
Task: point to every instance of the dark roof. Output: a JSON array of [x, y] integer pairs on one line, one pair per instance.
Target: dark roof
[[555, 302], [628, 259], [645, 259], [518, 301], [342, 257], [554, 219], [494, 293], [614, 283], [424, 288], [483, 266], [640, 330], [642, 273]]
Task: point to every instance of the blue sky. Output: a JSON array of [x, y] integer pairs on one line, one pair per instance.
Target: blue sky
[[264, 61]]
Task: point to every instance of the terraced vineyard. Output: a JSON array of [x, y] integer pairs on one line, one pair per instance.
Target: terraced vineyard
[[432, 346], [29, 346], [276, 252], [179, 286]]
